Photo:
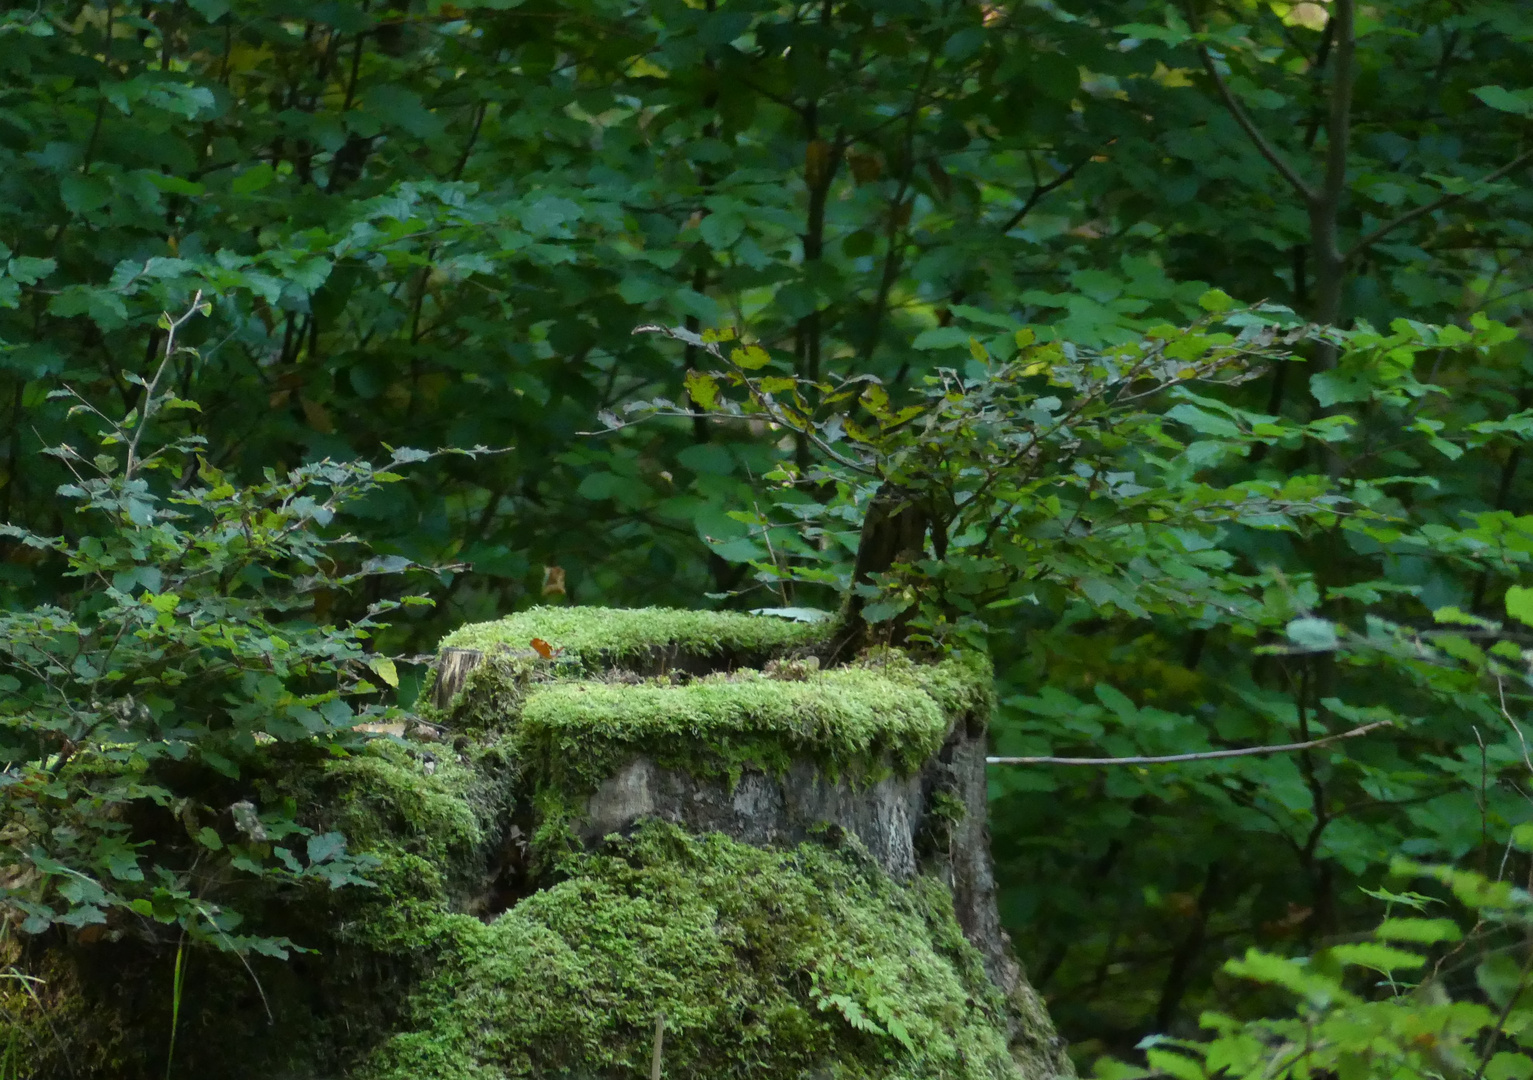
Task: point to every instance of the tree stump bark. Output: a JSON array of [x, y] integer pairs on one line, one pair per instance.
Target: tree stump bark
[[614, 749]]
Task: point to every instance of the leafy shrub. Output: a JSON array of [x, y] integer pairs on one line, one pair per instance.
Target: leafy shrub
[[189, 643], [1163, 571], [1417, 998]]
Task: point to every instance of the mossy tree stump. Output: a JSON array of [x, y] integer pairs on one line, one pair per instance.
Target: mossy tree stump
[[730, 730], [616, 814]]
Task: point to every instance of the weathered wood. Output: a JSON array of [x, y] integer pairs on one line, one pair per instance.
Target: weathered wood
[[452, 668]]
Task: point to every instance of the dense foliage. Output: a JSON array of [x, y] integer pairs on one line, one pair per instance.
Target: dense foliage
[[959, 240], [186, 646]]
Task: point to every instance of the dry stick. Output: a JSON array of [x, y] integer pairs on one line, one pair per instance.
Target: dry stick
[[1207, 755], [654, 1065]]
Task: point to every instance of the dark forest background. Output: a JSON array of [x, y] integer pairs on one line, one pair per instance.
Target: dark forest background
[[437, 225]]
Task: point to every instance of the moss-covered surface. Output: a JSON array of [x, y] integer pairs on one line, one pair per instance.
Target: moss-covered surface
[[807, 962], [850, 721], [800, 962], [431, 820], [598, 636]]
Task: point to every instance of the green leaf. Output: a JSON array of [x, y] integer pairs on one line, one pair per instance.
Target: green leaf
[[797, 614], [253, 179], [1175, 1065], [720, 230], [1204, 421], [1452, 616], [322, 847], [600, 485], [1313, 634], [883, 610], [103, 306], [1519, 604], [1519, 102], [1377, 957], [398, 106], [123, 865], [1216, 300], [711, 458], [1336, 387], [29, 270], [82, 194], [174, 185], [1421, 931], [211, 10], [1509, 1065], [941, 337]]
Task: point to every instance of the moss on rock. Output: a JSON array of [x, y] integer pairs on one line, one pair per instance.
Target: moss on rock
[[808, 961]]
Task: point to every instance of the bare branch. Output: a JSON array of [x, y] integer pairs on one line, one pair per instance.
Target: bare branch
[[1207, 755], [1436, 204], [1041, 190], [147, 409], [1266, 149]]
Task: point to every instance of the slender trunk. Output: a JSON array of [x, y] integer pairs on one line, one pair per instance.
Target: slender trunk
[[1325, 249], [1179, 976]]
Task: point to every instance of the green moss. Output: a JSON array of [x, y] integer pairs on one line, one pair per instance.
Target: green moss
[[383, 796], [856, 721], [963, 683], [766, 964], [594, 636], [492, 694], [430, 823]]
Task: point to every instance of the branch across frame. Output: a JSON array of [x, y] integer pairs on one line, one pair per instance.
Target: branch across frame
[[1206, 755]]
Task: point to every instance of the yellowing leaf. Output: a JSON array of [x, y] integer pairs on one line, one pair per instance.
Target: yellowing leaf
[[385, 670], [751, 357], [702, 389]]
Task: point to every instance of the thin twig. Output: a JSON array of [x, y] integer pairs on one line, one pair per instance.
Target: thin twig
[[1494, 1038], [1266, 149], [1436, 204], [1041, 190], [147, 409], [1207, 755], [1501, 693]]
